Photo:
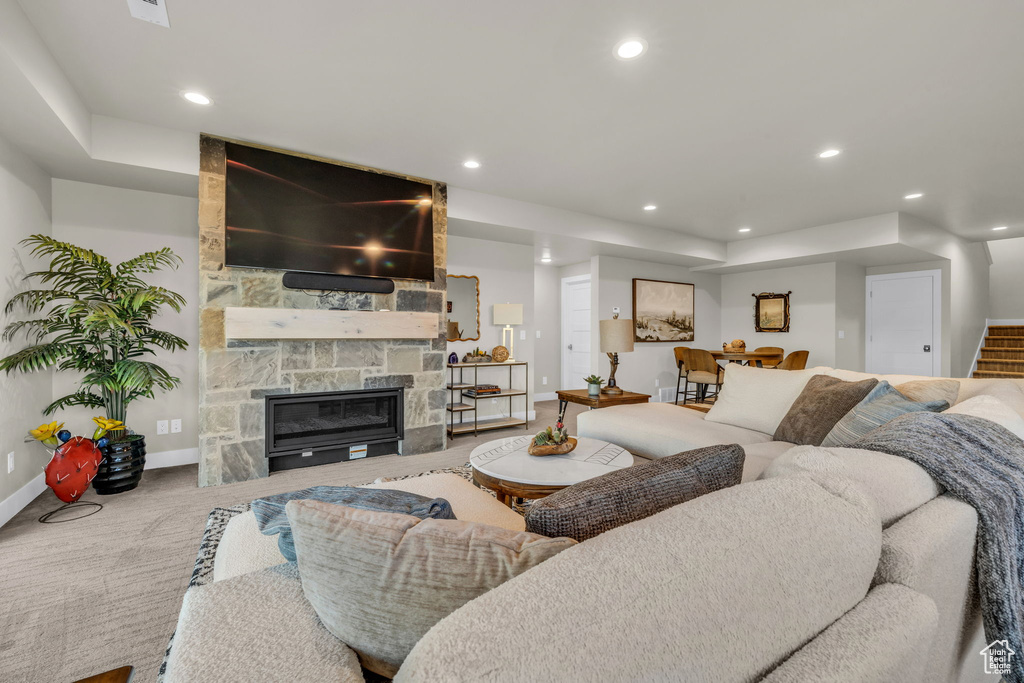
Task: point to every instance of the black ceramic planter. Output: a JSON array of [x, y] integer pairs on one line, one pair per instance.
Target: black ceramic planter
[[122, 466]]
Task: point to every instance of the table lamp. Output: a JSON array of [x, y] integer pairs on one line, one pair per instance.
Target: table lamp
[[616, 338], [508, 315]]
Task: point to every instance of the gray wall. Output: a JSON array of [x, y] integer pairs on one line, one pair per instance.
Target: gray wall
[[24, 210], [547, 304], [1006, 281]]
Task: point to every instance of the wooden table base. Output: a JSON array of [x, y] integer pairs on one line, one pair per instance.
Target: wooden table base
[[506, 490]]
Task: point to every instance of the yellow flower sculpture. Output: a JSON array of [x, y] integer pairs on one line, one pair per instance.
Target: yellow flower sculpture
[[47, 433], [103, 425]]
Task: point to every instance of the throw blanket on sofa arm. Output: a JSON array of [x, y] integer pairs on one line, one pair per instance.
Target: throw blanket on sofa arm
[[982, 464]]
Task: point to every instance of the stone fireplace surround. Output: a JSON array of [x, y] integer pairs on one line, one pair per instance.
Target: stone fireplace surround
[[237, 375]]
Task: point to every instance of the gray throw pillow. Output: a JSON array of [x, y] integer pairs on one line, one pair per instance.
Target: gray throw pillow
[[272, 519], [822, 403], [880, 406], [584, 510]]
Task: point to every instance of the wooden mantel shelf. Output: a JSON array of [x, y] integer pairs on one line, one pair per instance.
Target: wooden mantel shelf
[[289, 323]]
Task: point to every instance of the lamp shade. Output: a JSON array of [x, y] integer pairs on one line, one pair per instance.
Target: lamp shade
[[508, 314], [616, 335]]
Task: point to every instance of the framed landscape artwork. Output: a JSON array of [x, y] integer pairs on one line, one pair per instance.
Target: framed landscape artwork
[[662, 311], [771, 312]]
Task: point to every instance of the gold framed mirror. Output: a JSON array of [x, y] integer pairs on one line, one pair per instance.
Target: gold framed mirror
[[463, 308]]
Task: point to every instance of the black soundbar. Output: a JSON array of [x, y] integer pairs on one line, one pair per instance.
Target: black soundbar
[[340, 283]]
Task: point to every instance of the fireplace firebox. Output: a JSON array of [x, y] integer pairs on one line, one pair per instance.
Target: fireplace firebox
[[321, 428]]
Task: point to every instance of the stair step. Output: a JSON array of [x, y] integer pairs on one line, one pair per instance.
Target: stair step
[[1005, 353], [1005, 342], [992, 374], [1006, 330], [1000, 365]]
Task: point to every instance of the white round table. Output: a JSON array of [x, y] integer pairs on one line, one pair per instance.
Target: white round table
[[505, 466]]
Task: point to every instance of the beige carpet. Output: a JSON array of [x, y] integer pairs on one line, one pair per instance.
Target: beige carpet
[[83, 597]]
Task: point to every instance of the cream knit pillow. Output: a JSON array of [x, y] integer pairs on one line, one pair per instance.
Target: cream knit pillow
[[758, 398]]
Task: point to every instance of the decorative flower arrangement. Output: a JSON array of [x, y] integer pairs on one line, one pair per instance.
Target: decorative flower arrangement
[[74, 460]]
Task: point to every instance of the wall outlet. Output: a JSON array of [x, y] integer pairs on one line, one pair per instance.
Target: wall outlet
[[543, 380], [176, 426], [657, 382], [161, 427], [10, 462], [538, 334], [522, 335], [842, 334]]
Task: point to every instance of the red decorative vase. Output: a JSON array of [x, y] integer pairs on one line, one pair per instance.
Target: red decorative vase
[[72, 468]]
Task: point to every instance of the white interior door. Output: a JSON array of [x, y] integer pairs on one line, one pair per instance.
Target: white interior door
[[575, 331], [904, 323]]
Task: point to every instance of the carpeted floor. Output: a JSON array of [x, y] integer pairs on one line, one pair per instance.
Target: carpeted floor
[[84, 597]]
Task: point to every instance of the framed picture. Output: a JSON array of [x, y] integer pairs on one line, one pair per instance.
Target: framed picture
[[662, 311], [771, 312]]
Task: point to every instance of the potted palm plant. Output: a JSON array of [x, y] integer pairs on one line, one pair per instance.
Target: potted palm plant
[[95, 318]]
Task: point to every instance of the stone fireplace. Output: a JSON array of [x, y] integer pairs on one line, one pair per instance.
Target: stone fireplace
[[237, 375]]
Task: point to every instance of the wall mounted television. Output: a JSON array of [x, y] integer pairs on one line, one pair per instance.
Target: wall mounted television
[[286, 212]]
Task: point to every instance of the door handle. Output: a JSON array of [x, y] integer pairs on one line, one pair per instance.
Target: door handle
[[570, 347], [927, 348]]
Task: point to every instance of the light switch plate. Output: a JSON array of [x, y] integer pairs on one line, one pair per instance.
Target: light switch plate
[[10, 462], [161, 427], [176, 426], [522, 335], [543, 380], [842, 334], [538, 334]]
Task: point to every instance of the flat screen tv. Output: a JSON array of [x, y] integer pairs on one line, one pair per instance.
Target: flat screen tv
[[285, 212]]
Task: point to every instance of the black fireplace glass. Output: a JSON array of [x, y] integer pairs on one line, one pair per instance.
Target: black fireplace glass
[[299, 422]]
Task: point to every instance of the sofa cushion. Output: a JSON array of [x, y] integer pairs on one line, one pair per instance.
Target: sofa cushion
[[244, 549], [757, 398], [658, 430], [822, 403], [896, 485], [257, 627], [880, 406], [722, 588], [594, 506], [379, 580], [760, 455], [925, 390], [994, 409]]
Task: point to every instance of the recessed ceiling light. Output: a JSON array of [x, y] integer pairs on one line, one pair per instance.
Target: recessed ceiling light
[[631, 48], [471, 164], [1001, 227], [650, 207], [744, 229], [546, 259], [914, 195], [196, 97], [829, 153]]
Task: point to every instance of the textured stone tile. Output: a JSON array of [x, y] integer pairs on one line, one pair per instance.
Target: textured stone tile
[[423, 440], [416, 409], [437, 399], [323, 354], [251, 420], [346, 301], [433, 361], [411, 300], [440, 343], [230, 396], [211, 214], [218, 419], [241, 368], [388, 382], [212, 155], [270, 391], [261, 291], [297, 355], [440, 279], [433, 380], [243, 461], [211, 328], [358, 353], [405, 360], [220, 293], [211, 250], [434, 302], [325, 380]]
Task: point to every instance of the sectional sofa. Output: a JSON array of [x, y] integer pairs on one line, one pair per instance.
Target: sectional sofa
[[826, 564]]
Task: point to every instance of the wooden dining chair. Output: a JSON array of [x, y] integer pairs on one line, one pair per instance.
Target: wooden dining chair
[[680, 352], [704, 371], [770, 349], [794, 361]]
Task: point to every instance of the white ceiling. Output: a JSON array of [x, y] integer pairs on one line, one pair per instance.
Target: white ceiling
[[718, 124]]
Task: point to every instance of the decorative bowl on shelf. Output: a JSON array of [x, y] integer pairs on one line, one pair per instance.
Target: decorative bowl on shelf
[[552, 449]]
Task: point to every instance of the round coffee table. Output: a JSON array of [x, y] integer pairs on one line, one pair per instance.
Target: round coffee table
[[506, 468]]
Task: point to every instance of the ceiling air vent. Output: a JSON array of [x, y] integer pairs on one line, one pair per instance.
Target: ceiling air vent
[[153, 11]]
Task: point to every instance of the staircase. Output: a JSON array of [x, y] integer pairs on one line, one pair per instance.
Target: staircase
[[1002, 354]]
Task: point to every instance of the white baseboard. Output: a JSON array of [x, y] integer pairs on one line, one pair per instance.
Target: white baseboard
[[550, 396], [17, 501], [186, 456]]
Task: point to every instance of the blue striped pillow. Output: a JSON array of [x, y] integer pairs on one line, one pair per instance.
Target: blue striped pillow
[[884, 403]]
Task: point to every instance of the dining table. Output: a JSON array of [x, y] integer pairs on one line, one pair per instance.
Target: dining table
[[751, 358]]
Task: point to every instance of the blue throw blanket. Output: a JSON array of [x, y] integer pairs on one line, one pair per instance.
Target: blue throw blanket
[[982, 464], [271, 518]]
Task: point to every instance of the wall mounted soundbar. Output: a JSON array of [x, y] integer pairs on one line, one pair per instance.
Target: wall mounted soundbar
[[340, 283]]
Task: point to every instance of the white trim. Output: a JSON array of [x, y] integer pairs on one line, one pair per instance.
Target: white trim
[[566, 366], [936, 276], [17, 501], [549, 396], [1001, 321], [186, 456]]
